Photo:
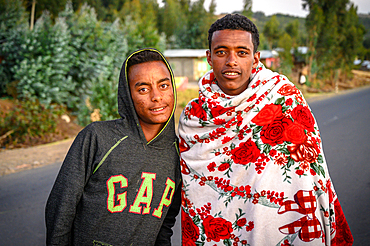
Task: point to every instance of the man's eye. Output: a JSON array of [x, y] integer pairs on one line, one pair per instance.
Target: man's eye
[[243, 53], [143, 90], [220, 52], [164, 86]]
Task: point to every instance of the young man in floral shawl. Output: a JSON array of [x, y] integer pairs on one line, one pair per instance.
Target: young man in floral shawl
[[254, 172]]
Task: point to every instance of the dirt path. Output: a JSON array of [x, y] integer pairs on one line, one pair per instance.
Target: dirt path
[[16, 160]]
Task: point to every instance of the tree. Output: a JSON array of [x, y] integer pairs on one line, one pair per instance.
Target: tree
[[42, 74], [292, 29], [314, 23], [171, 20], [53, 7], [247, 8], [195, 35], [334, 34], [271, 31], [286, 61], [142, 14], [13, 27], [351, 43]]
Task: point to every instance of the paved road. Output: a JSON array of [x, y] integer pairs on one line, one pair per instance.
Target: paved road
[[344, 127], [343, 122]]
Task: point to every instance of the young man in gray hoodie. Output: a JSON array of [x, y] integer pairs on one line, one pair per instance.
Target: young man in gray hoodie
[[120, 181]]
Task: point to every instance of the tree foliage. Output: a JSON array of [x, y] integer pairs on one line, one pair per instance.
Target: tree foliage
[[13, 26], [335, 37], [272, 32], [76, 49], [247, 8], [193, 32]]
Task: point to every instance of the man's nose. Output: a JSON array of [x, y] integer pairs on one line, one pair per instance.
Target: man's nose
[[156, 94], [232, 59]]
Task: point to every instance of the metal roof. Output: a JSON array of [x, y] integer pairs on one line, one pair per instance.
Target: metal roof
[[268, 54]]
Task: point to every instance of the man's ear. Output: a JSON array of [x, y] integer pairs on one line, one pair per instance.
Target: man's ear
[[256, 59], [208, 54]]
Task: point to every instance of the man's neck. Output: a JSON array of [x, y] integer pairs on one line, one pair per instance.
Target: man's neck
[[151, 130]]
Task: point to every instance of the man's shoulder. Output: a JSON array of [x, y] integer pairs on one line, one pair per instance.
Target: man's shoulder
[[101, 127]]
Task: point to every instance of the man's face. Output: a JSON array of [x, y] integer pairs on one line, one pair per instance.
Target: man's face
[[232, 59], [152, 92]]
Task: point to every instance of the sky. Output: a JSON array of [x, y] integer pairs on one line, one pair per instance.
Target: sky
[[270, 7]]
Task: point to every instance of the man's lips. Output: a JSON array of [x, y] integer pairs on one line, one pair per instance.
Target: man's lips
[[159, 109], [231, 74]]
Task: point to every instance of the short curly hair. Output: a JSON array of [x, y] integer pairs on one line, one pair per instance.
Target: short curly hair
[[235, 22], [143, 56]]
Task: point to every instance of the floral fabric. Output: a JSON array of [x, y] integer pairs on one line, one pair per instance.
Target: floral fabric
[[253, 168]]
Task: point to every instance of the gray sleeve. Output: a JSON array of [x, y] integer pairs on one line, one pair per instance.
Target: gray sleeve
[[61, 206]]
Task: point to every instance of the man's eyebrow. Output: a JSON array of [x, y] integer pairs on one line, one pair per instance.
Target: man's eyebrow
[[225, 47], [141, 83], [220, 47], [164, 79], [138, 84], [243, 47]]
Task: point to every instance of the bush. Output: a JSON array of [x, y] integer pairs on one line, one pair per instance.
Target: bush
[[28, 122], [13, 27], [43, 73], [102, 103]]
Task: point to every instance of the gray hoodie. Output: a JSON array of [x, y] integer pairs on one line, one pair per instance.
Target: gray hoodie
[[115, 187]]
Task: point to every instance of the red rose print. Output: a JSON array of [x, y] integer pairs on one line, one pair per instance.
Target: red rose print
[[343, 235], [241, 222], [273, 152], [294, 133], [197, 110], [190, 232], [184, 167], [226, 139], [299, 172], [218, 121], [187, 242], [304, 152], [281, 159], [211, 166], [223, 167], [267, 114], [183, 145], [250, 226], [288, 90], [246, 152], [219, 110], [289, 102], [273, 133], [217, 228], [303, 115], [313, 173], [252, 98], [299, 99]]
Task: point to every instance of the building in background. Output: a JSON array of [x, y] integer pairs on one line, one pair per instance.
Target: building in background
[[270, 58], [187, 63]]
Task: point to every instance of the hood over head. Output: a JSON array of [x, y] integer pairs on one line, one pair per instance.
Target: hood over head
[[126, 107]]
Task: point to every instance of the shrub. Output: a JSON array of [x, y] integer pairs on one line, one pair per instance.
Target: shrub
[[28, 122], [101, 104], [13, 27]]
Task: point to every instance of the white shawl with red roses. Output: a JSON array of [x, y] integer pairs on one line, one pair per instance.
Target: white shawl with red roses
[[254, 172]]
